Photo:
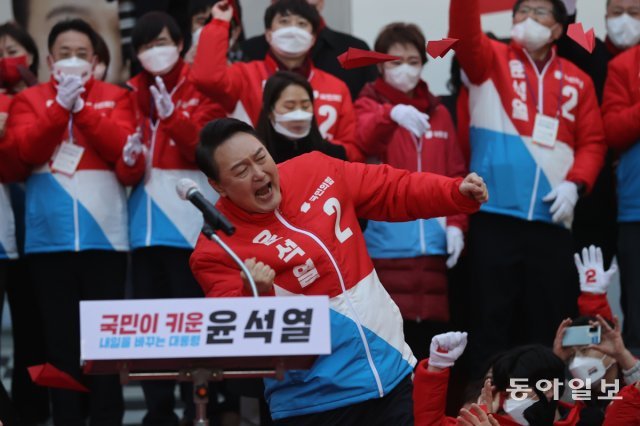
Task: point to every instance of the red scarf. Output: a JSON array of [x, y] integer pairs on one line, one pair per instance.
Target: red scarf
[[170, 79], [422, 99], [304, 69]]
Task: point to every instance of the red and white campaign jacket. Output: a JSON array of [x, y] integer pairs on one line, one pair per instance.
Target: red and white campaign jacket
[[314, 244], [157, 216], [506, 90], [11, 170], [244, 81], [86, 211]]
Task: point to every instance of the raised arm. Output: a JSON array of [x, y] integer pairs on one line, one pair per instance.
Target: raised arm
[[383, 193], [474, 50], [210, 72]]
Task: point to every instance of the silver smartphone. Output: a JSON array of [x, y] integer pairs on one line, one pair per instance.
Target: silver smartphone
[[581, 335]]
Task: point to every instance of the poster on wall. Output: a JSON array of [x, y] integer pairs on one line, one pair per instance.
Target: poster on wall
[[39, 16]]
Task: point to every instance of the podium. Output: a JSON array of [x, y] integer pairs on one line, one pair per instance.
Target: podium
[[203, 340]]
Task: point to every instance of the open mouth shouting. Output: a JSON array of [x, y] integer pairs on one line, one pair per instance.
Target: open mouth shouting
[[264, 194]]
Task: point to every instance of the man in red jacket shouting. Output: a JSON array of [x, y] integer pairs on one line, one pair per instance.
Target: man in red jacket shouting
[[297, 230]]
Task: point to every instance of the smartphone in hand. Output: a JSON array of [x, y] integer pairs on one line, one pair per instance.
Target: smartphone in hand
[[581, 335]]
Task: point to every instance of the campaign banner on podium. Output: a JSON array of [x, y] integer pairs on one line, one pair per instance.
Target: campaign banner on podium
[[204, 328]]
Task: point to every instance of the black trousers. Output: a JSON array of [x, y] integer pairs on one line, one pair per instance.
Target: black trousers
[[523, 283], [162, 273], [595, 216], [395, 408], [62, 280], [7, 411], [30, 400], [629, 262]]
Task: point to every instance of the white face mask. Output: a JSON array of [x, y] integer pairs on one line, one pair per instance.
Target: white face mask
[[160, 59], [404, 77], [515, 409], [624, 31], [587, 367], [531, 34], [291, 41], [72, 66], [297, 115]]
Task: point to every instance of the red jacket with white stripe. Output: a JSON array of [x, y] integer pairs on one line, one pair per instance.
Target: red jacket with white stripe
[[506, 91], [157, 216], [314, 244], [410, 256], [85, 211], [11, 170], [243, 82], [430, 400]]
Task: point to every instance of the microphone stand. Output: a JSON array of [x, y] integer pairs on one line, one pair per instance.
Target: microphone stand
[[201, 379], [210, 233]]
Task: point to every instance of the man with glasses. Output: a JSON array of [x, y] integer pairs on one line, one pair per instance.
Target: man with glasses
[[536, 136]]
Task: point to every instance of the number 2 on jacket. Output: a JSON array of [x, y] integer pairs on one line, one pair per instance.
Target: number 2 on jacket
[[331, 206]]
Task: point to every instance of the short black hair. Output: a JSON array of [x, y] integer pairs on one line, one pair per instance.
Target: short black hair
[[22, 37], [150, 25], [559, 10], [76, 24], [533, 362], [293, 7], [401, 33], [214, 134]]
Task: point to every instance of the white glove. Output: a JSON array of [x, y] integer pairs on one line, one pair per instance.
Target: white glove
[[564, 197], [162, 99], [571, 6], [132, 149], [411, 119], [70, 87], [446, 348], [455, 244], [593, 277]]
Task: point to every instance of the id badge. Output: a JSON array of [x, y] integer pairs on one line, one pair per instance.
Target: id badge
[[67, 158], [545, 130]]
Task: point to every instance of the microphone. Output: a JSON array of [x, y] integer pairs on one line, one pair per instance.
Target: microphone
[[188, 190]]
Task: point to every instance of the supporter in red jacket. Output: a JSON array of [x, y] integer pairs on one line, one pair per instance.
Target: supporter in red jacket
[[297, 228], [535, 178], [625, 411], [287, 123], [621, 110], [402, 124], [163, 228], [11, 170], [19, 61], [71, 131], [291, 29], [508, 404], [604, 365]]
